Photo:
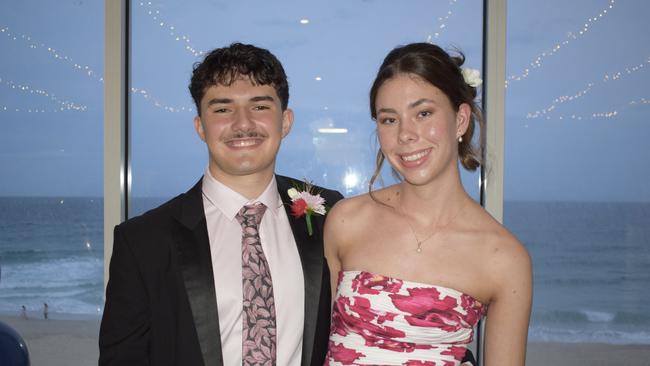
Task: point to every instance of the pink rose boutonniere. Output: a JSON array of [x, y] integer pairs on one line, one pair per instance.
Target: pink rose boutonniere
[[305, 203]]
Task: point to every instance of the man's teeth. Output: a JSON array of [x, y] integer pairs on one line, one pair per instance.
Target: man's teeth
[[415, 157], [243, 143]]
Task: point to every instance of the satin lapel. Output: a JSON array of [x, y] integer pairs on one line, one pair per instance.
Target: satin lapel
[[195, 263], [310, 249]]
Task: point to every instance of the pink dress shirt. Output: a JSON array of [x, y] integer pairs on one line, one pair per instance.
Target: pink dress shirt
[[221, 204]]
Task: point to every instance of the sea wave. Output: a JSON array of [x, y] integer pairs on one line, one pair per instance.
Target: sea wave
[[71, 285], [60, 306], [604, 281], [610, 336], [15, 256], [585, 317]]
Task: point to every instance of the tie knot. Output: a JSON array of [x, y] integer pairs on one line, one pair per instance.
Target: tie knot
[[251, 215]]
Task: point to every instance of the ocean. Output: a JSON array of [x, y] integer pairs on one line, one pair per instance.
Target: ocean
[[591, 263], [591, 266], [51, 251]]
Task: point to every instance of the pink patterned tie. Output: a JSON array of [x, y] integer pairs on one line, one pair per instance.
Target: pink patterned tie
[[258, 313]]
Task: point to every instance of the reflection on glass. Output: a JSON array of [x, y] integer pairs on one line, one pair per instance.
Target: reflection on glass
[[330, 52], [575, 192], [51, 163]]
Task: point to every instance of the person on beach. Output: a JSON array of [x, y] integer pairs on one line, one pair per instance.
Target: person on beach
[[23, 312], [416, 265], [231, 272], [45, 310]]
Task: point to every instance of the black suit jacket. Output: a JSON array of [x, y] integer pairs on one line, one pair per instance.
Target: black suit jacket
[[161, 304]]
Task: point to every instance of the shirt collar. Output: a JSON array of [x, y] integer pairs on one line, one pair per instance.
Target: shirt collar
[[230, 202]]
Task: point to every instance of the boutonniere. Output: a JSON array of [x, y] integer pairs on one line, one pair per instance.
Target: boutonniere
[[305, 203]]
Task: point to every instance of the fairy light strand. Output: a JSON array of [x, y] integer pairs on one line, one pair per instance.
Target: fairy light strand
[[571, 36], [628, 71], [154, 14], [603, 115], [640, 101], [443, 22], [559, 100], [31, 43], [607, 78], [147, 96], [63, 105]]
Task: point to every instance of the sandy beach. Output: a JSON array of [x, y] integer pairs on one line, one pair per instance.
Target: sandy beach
[[59, 342], [592, 354]]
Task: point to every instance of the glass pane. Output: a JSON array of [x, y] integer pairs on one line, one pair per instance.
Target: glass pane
[[576, 184], [330, 51], [51, 169]]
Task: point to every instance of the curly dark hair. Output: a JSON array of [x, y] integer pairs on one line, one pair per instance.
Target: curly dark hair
[[223, 66]]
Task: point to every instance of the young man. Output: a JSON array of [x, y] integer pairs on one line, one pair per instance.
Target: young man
[[176, 295]]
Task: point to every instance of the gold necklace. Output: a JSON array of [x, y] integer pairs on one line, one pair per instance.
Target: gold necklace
[[435, 230]]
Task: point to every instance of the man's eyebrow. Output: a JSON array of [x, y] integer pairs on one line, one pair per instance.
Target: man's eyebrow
[[219, 101], [262, 98]]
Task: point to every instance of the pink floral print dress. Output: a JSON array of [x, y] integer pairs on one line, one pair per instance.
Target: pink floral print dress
[[379, 320]]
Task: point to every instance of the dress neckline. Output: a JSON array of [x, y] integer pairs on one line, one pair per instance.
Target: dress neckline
[[446, 289]]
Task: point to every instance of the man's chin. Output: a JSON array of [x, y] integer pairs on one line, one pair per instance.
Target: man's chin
[[244, 169]]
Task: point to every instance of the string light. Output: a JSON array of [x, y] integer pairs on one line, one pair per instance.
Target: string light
[[145, 94], [559, 100], [171, 29], [627, 71], [604, 115], [571, 36], [33, 44], [565, 99], [63, 105], [640, 101], [442, 21]]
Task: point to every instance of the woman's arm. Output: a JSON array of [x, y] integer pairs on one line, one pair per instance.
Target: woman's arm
[[509, 309], [332, 236]]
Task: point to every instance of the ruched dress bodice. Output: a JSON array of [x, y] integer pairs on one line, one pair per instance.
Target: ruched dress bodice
[[379, 320]]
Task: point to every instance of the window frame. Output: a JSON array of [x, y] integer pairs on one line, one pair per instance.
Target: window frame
[[117, 167]]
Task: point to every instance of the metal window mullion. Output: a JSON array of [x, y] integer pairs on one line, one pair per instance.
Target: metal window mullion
[[494, 68], [115, 121]]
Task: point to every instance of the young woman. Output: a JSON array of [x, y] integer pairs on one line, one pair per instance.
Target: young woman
[[417, 264]]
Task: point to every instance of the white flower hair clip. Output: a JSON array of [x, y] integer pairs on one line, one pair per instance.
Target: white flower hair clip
[[472, 77]]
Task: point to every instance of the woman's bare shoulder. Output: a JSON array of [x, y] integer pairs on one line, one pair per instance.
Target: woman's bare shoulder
[[351, 216], [502, 254], [358, 206]]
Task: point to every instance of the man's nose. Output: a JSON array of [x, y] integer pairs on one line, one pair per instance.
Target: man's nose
[[242, 121]]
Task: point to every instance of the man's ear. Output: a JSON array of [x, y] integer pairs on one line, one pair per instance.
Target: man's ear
[[287, 122], [198, 126]]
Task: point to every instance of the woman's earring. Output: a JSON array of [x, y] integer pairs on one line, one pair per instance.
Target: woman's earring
[[460, 139]]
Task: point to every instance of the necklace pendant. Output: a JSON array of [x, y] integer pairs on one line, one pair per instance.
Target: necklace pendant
[[419, 249]]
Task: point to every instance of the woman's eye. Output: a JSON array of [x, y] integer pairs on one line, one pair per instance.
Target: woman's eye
[[387, 121], [260, 107], [220, 110], [424, 114]]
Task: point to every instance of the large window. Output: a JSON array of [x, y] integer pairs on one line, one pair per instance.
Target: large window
[[51, 121], [330, 51], [576, 191]]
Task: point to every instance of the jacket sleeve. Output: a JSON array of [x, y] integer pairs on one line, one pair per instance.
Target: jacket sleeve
[[125, 327]]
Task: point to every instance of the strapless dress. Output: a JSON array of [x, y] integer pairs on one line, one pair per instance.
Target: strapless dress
[[379, 320]]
